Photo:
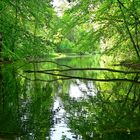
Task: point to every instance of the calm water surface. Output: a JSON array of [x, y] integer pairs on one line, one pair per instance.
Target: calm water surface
[[37, 104]]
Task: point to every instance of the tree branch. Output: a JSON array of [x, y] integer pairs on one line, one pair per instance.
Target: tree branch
[[86, 69], [127, 28], [86, 78]]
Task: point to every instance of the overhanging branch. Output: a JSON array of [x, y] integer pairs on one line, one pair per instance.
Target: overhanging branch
[[86, 69], [86, 78]]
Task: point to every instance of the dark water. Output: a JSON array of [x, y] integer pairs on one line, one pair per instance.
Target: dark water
[[37, 104]]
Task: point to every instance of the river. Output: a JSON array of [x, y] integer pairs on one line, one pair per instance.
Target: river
[[58, 100]]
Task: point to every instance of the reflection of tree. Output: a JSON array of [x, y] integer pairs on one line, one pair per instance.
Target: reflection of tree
[[108, 115], [40, 112], [9, 103], [37, 107], [25, 106], [112, 113], [114, 110]]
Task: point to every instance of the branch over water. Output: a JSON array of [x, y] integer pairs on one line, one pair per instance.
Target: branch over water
[[86, 69], [86, 78]]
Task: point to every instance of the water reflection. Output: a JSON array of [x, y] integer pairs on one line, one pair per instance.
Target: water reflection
[[34, 107], [24, 108], [60, 129], [79, 89]]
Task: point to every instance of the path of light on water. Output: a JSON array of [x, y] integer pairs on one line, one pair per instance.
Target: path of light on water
[[77, 89]]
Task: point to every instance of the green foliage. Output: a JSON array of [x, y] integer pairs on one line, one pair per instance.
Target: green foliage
[[66, 46], [118, 24], [23, 24], [24, 111], [31, 28]]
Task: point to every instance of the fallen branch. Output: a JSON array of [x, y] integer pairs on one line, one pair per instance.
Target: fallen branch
[[86, 78], [86, 69]]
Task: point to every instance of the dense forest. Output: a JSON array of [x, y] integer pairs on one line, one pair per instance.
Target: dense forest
[[33, 28], [48, 47]]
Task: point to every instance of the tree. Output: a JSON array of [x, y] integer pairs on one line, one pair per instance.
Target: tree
[[27, 22]]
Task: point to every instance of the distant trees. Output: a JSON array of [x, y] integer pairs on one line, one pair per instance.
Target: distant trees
[[112, 25]]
